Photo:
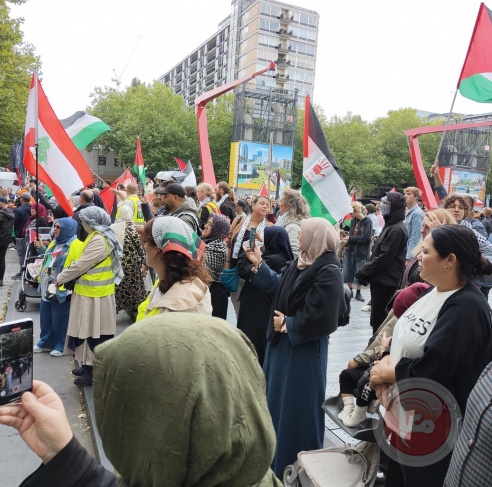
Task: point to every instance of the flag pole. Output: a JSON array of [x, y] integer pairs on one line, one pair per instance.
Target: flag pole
[[436, 162], [97, 175], [36, 119]]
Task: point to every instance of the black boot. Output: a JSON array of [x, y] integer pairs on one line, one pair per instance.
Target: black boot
[[85, 380], [78, 371], [358, 296], [351, 293]]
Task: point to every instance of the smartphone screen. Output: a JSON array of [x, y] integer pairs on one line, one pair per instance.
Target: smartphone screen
[[140, 189], [16, 342], [252, 235]]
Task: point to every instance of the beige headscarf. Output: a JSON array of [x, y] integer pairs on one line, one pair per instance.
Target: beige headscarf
[[317, 237], [180, 401]]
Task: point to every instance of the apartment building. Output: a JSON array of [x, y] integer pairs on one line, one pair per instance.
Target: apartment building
[[253, 35]]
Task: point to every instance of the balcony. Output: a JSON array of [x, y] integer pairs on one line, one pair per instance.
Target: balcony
[[282, 49], [283, 78], [284, 33], [282, 62], [286, 17]]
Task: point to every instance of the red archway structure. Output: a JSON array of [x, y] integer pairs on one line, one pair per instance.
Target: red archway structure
[[418, 167], [208, 173]]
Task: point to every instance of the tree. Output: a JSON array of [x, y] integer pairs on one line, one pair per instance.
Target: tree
[[220, 119], [17, 62], [166, 126], [392, 145]]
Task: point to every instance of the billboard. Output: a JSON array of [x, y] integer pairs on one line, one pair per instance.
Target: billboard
[[457, 180], [250, 165]]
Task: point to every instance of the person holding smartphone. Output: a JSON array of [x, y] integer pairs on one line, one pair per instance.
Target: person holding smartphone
[[54, 309], [309, 298], [172, 436], [240, 233]]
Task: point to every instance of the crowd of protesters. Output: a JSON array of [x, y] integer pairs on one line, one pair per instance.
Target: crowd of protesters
[[162, 260]]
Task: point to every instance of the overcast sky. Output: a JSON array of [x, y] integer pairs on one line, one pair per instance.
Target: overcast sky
[[373, 56]]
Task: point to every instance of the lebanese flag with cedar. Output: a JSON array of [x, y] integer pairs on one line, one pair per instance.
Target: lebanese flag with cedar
[[60, 164]]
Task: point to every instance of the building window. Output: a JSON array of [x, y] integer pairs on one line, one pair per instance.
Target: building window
[[269, 41], [269, 25], [304, 34], [301, 48], [271, 10], [102, 160], [307, 19]]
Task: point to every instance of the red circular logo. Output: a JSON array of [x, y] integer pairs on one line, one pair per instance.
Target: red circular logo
[[420, 423]]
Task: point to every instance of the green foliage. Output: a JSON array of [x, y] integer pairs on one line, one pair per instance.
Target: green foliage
[[167, 128], [220, 119], [371, 154], [17, 62]]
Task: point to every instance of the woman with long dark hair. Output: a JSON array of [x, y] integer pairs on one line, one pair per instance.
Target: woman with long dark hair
[[444, 337], [175, 251]]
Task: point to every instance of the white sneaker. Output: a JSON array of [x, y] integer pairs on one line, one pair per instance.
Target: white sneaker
[[367, 307], [56, 353], [37, 349]]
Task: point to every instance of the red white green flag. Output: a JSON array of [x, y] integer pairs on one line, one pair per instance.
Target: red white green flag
[[139, 167], [322, 182], [475, 80], [60, 164]]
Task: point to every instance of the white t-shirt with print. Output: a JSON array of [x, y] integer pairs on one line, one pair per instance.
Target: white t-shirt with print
[[415, 325]]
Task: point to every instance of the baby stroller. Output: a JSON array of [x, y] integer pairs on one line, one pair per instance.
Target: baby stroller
[[31, 268]]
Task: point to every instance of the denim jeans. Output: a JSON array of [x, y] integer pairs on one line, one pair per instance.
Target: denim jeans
[[54, 323]]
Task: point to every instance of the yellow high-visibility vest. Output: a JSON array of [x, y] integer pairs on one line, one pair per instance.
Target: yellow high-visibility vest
[[137, 209], [98, 281], [143, 306]]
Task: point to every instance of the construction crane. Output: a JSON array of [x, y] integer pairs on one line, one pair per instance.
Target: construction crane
[[117, 78]]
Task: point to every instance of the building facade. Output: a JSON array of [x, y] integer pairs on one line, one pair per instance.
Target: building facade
[[253, 35]]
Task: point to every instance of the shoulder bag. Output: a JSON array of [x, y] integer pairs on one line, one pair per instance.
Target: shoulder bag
[[341, 466]]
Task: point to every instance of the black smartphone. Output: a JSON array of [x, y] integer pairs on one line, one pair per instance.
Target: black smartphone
[[252, 238], [16, 344], [140, 189]]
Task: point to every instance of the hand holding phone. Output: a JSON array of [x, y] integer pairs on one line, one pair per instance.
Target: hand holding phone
[[252, 237], [16, 342]]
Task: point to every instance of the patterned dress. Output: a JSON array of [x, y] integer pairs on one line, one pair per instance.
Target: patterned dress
[[131, 291]]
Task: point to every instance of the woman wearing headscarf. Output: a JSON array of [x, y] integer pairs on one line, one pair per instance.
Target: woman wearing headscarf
[[55, 302], [95, 263], [175, 251], [36, 209], [214, 233], [308, 300], [130, 292], [165, 379], [254, 304]]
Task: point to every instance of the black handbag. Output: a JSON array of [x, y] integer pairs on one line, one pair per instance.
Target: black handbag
[[70, 285]]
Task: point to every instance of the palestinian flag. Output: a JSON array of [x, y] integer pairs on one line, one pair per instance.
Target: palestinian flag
[[186, 168], [475, 80], [264, 190], [83, 128], [322, 182], [60, 164], [108, 197], [139, 167]]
